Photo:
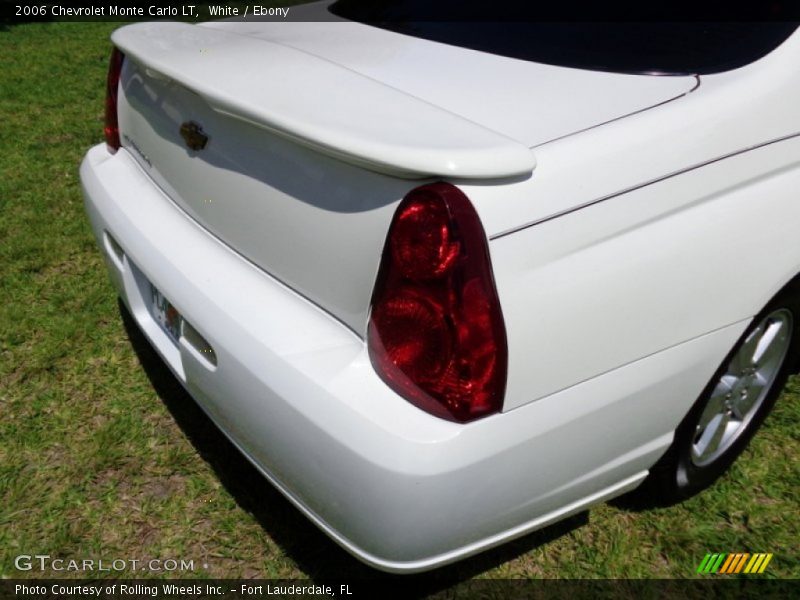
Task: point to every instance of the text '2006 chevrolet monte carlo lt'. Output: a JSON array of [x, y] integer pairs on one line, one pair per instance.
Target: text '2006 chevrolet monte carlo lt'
[[447, 284]]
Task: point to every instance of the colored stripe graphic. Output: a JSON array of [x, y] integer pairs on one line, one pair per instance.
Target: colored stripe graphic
[[758, 563], [736, 562], [708, 563], [755, 561], [726, 565], [702, 567], [717, 563], [740, 566], [765, 563]]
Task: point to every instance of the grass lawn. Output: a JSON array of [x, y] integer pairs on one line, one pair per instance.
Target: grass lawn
[[102, 455]]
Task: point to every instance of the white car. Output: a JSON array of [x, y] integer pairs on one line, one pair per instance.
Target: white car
[[442, 295]]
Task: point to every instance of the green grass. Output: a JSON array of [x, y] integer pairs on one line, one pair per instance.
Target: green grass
[[102, 455]]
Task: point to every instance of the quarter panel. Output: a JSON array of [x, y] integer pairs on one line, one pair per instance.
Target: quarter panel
[[601, 287], [729, 113]]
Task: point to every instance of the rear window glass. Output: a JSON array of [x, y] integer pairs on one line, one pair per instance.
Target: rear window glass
[[658, 48]]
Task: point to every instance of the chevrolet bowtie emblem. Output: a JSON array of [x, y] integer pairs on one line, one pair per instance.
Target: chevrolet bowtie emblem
[[192, 134]]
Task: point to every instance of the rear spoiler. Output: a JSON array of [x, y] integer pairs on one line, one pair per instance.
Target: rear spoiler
[[322, 105]]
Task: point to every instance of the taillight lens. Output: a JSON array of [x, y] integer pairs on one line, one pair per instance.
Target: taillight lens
[[111, 128], [436, 333]]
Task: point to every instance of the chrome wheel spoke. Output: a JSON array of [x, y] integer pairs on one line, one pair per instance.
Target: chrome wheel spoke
[[771, 346], [716, 404], [712, 436], [745, 357], [740, 392]]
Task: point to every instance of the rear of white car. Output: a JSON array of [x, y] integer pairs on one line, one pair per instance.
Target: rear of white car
[[388, 301]]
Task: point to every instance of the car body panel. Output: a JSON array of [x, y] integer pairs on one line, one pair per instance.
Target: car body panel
[[314, 222], [358, 120], [627, 263], [526, 101], [294, 388], [298, 213], [729, 113], [591, 290]]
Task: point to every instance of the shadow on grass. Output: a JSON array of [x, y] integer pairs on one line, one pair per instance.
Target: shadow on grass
[[313, 552]]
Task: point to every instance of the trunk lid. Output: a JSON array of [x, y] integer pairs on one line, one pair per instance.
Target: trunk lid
[[530, 102], [312, 137]]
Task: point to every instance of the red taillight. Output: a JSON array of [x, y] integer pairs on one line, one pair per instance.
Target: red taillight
[[436, 333], [111, 128]]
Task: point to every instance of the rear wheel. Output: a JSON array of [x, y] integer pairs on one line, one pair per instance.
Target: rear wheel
[[732, 406]]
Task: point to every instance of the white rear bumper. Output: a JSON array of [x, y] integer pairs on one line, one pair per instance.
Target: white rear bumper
[[293, 388]]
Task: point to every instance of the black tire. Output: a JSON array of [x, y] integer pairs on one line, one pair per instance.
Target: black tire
[[683, 471]]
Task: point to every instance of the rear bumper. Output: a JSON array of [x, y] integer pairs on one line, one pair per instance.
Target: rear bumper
[[293, 388]]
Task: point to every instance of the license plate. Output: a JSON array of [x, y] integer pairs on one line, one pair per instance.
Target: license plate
[[166, 314]]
